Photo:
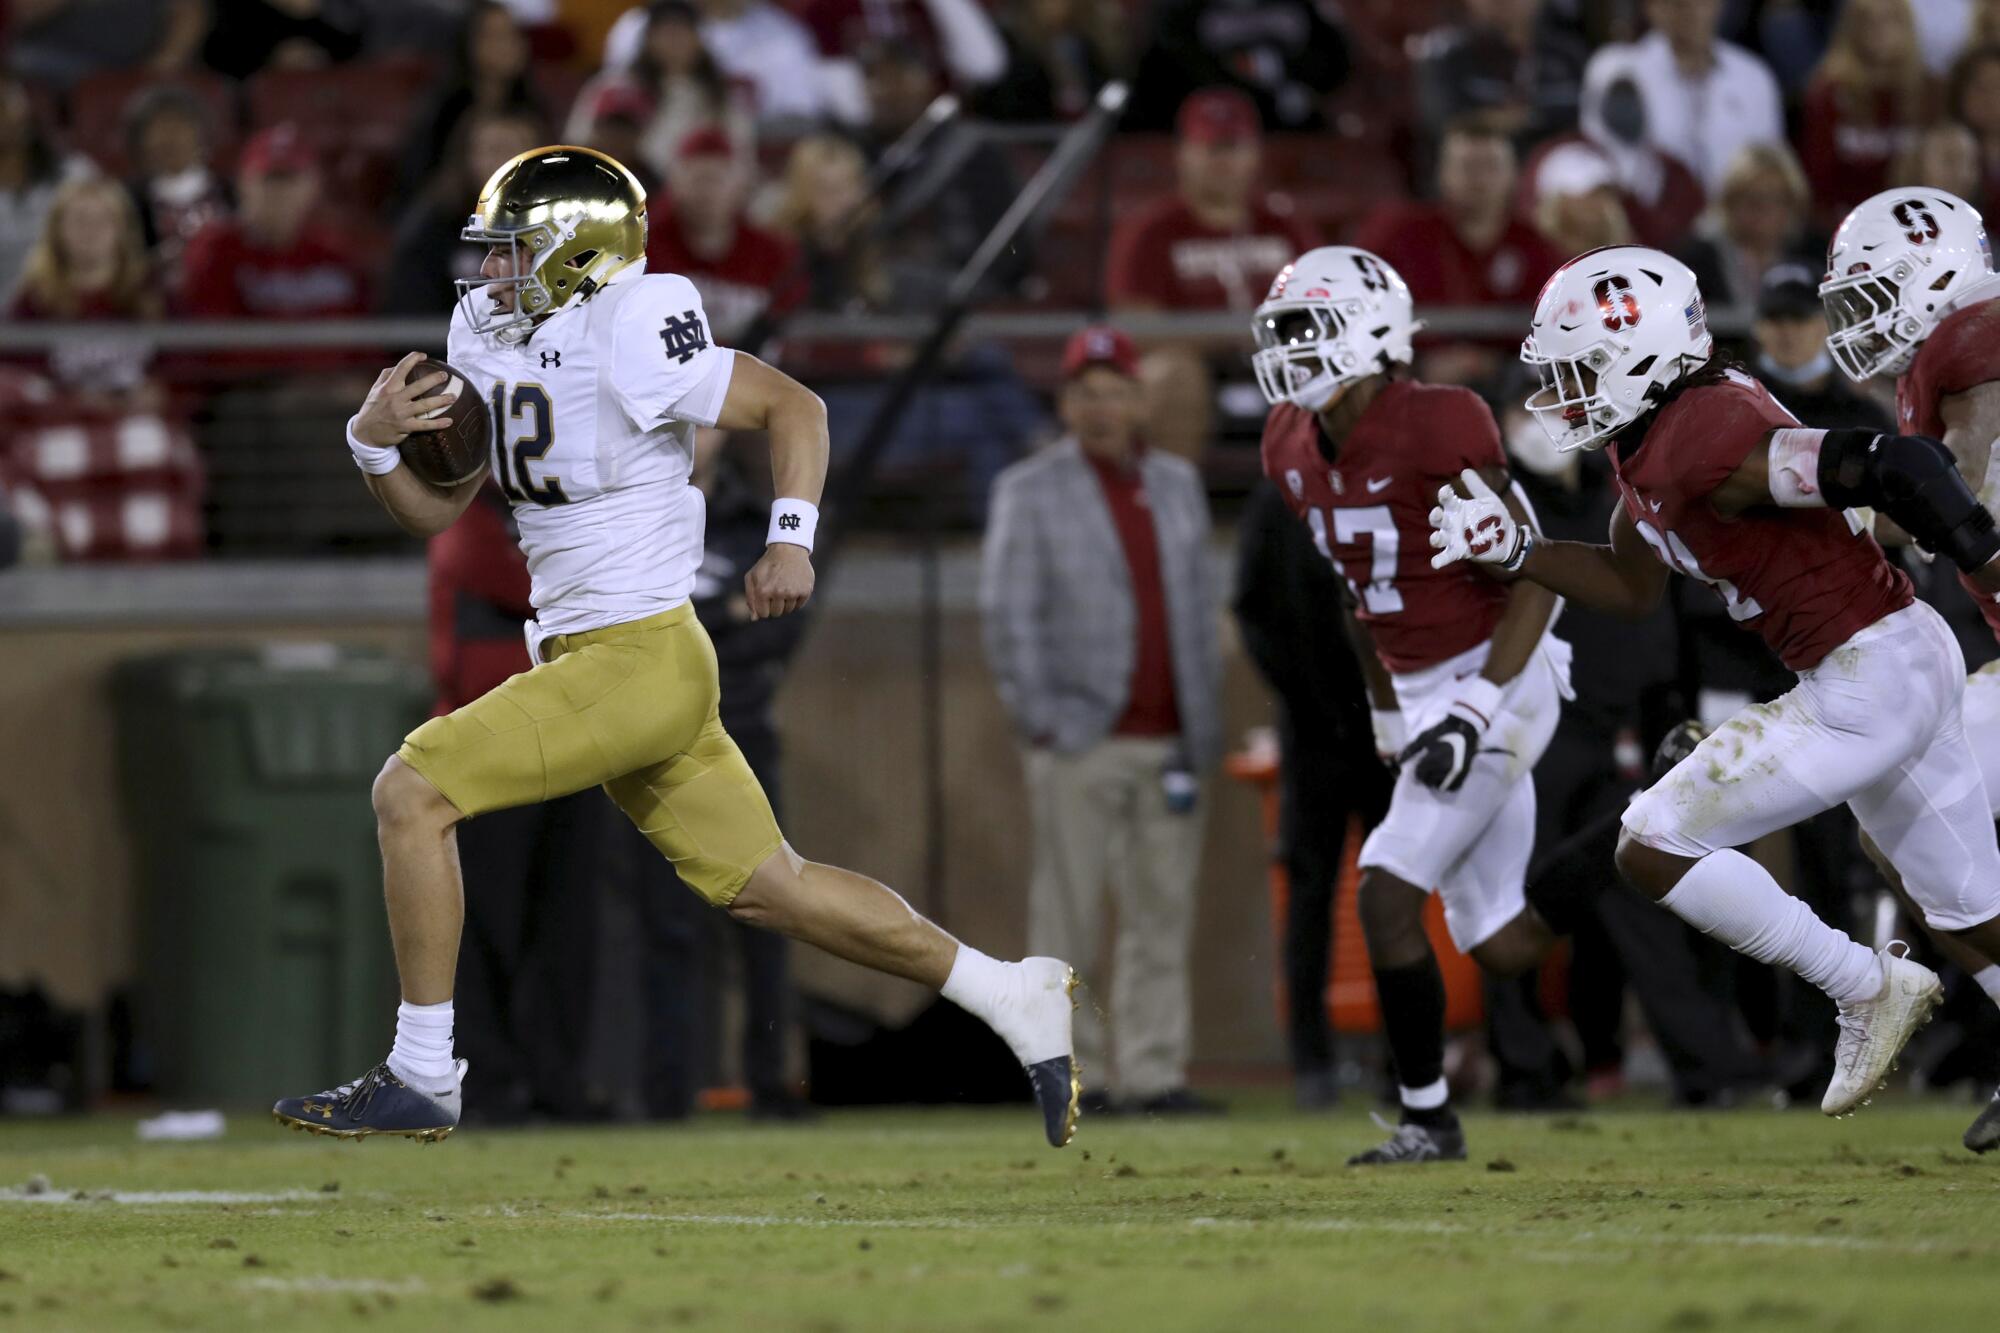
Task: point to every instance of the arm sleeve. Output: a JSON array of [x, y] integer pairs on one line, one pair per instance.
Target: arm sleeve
[[1010, 590], [664, 365]]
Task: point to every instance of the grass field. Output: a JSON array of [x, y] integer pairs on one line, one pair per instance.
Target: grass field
[[948, 1220]]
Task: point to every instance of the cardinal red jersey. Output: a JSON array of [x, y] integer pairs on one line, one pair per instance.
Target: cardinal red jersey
[[1802, 578], [1962, 353], [1369, 511]]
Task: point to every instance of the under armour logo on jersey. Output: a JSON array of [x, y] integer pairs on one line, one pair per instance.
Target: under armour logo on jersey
[[684, 336], [551, 359], [1618, 303], [1916, 220], [788, 522]]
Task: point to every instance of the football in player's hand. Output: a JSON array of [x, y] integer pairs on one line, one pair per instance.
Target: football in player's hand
[[448, 457]]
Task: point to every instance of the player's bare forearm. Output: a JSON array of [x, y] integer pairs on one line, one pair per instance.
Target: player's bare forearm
[[419, 507], [1621, 579], [794, 418], [397, 407], [1381, 689], [763, 398]]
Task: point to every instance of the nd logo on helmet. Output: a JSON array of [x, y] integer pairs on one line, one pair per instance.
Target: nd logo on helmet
[[1618, 303]]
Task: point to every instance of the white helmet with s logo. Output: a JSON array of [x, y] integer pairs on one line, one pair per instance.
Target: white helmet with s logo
[[1333, 316], [1893, 270], [1611, 327]]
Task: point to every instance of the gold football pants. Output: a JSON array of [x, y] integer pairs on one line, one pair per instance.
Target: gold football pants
[[630, 707]]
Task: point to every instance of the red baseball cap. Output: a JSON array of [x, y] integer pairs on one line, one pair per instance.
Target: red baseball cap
[[621, 101], [279, 150], [708, 141], [1100, 345], [1218, 115]]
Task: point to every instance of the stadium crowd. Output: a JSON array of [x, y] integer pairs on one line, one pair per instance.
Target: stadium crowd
[[292, 160]]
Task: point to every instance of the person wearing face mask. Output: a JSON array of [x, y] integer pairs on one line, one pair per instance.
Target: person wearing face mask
[[1790, 334]]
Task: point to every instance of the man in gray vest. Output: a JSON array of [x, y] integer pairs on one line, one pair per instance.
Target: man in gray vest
[[1099, 597]]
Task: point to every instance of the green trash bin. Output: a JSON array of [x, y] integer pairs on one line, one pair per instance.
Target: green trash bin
[[265, 964]]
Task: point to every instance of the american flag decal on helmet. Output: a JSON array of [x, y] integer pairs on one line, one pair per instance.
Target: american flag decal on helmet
[[1697, 316]]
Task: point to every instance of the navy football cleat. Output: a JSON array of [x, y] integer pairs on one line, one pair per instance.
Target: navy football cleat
[[376, 1103]]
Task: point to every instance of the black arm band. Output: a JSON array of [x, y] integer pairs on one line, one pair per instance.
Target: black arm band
[[1913, 480]]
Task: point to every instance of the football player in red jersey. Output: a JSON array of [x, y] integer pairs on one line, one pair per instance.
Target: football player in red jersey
[[1720, 483], [1461, 666], [1910, 292]]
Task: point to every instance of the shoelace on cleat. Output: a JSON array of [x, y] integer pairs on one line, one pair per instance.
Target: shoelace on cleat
[[353, 1098], [1405, 1141]]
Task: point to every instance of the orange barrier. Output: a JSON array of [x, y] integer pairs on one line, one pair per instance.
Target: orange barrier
[[1350, 987]]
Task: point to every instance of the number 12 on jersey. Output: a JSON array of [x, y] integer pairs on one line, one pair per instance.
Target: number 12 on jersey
[[1380, 596], [528, 404]]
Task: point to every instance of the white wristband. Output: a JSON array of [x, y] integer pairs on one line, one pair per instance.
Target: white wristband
[[793, 522], [1481, 698], [374, 459]]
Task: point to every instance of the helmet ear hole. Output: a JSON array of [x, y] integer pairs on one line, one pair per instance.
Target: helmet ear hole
[[1644, 366], [582, 259]]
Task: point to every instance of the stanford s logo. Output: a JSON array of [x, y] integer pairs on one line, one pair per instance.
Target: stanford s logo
[[1618, 303], [1916, 221], [684, 336], [1483, 535]]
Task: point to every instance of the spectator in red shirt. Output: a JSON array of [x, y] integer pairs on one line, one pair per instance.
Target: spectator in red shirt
[[1466, 249], [1868, 101], [273, 260], [1215, 244], [90, 264], [698, 231], [1218, 241]]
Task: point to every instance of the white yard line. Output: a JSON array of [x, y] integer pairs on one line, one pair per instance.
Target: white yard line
[[1546, 1242], [158, 1198], [357, 1286]]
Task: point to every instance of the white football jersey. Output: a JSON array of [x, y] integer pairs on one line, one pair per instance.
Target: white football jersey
[[594, 420]]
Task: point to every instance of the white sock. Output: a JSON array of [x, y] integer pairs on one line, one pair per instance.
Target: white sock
[[1731, 897], [1426, 1098], [1988, 978], [421, 1056], [977, 983]]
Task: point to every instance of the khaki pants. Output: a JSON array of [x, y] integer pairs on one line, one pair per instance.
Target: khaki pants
[[1100, 816]]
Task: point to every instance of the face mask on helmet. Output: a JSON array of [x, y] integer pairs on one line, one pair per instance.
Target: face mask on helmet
[[1302, 357], [1573, 404], [507, 307], [1867, 332]]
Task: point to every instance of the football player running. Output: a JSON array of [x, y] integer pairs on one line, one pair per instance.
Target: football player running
[[1720, 483], [1463, 675], [1910, 292], [598, 376]]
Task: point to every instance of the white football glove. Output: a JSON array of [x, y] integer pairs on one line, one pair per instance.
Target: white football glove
[[1479, 529]]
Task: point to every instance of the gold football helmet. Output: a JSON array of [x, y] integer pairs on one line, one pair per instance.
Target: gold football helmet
[[571, 219]]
